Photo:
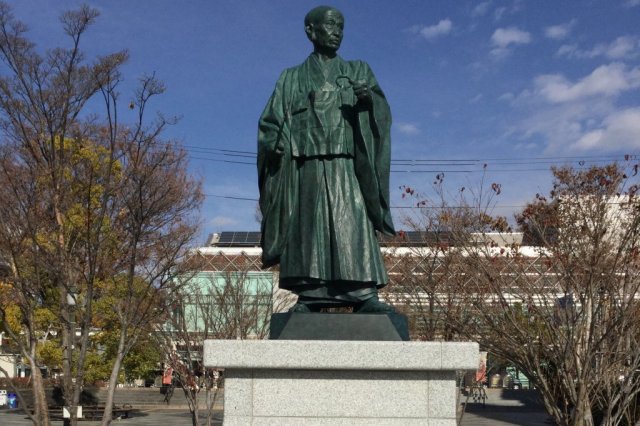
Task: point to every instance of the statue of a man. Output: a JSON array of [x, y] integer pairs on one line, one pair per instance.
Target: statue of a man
[[323, 170]]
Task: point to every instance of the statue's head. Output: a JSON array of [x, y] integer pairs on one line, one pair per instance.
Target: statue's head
[[324, 26]]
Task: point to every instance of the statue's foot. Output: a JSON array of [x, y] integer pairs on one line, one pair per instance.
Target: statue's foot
[[374, 306], [303, 308]]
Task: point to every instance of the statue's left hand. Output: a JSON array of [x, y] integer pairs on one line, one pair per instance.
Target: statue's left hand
[[362, 91]]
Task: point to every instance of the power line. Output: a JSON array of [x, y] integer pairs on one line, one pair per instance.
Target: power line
[[418, 164], [539, 159], [433, 162], [581, 160], [222, 161], [393, 207], [472, 171], [231, 197], [497, 206]]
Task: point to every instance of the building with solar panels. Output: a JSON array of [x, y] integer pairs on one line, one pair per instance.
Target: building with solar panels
[[228, 295], [233, 296]]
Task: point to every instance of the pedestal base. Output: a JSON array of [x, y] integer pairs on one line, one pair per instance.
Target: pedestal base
[[293, 382], [337, 326]]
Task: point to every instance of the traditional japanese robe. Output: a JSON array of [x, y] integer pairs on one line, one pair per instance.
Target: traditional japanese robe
[[323, 171]]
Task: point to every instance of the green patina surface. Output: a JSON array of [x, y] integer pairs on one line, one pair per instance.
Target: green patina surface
[[323, 170]]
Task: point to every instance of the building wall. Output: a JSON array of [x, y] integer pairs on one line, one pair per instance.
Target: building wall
[[210, 297], [7, 362]]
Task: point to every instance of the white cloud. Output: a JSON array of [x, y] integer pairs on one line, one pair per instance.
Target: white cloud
[[506, 97], [559, 32], [408, 128], [499, 13], [579, 115], [441, 28], [606, 80], [621, 129], [622, 47], [631, 3], [503, 37], [515, 7], [568, 50], [526, 146], [556, 127], [477, 98], [481, 9], [221, 221]]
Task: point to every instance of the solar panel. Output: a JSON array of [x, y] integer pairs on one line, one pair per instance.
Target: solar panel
[[239, 239], [414, 238], [254, 237], [406, 238], [225, 237]]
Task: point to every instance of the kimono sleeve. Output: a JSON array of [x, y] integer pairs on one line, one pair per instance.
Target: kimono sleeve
[[276, 174], [373, 153]]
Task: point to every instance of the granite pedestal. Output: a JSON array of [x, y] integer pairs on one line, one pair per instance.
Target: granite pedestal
[[332, 382]]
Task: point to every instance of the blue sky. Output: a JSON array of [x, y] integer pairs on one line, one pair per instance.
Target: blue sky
[[516, 85]]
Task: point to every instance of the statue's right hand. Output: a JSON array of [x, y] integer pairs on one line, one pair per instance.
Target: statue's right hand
[[279, 148]]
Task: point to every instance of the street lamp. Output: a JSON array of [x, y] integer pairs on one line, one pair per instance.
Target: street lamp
[[72, 294]]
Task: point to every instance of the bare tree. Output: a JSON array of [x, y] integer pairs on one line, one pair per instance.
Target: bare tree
[[41, 98], [85, 201], [153, 227], [565, 313], [230, 298], [425, 262]]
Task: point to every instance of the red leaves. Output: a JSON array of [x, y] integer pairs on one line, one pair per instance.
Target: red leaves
[[406, 190]]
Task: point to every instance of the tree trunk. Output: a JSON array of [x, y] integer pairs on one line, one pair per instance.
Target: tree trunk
[[107, 415], [582, 412], [40, 407], [68, 334], [210, 402], [212, 391], [192, 398]]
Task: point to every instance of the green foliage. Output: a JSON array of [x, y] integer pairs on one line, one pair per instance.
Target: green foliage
[[50, 354], [142, 361], [12, 318], [97, 367]]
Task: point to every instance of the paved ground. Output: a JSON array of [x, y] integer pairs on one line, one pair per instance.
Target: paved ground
[[501, 408], [152, 417], [505, 407]]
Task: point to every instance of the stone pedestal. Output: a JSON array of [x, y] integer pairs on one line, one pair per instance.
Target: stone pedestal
[[294, 382]]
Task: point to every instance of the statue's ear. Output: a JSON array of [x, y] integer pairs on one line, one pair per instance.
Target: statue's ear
[[310, 32]]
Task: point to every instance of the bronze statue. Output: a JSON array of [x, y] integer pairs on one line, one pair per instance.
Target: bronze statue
[[323, 171]]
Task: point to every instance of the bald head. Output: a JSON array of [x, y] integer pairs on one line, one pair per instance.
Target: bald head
[[324, 26], [316, 14]]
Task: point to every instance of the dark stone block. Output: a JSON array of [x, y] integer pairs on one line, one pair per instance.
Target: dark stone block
[[338, 326]]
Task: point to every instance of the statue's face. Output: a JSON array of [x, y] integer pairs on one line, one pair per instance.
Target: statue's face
[[327, 32]]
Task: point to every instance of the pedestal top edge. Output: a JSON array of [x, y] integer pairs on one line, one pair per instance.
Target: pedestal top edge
[[341, 355]]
